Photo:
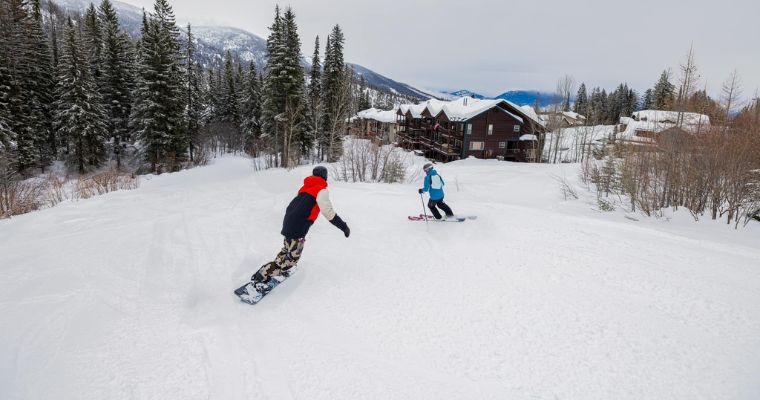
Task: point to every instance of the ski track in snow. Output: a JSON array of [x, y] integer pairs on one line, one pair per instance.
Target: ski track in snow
[[129, 295]]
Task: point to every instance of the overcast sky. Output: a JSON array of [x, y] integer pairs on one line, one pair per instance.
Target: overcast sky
[[491, 46]]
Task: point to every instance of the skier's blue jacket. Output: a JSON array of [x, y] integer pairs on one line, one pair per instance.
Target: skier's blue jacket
[[434, 184]]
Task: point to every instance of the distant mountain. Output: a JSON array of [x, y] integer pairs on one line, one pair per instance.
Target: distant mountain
[[215, 41], [525, 97], [467, 93], [246, 45], [388, 84]]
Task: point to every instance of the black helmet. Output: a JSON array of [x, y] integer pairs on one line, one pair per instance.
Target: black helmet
[[427, 167], [320, 171]]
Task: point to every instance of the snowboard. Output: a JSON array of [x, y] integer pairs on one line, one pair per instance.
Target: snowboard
[[248, 293], [421, 217]]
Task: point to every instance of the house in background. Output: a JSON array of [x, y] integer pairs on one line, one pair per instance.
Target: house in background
[[452, 130], [648, 125], [564, 119], [375, 124]]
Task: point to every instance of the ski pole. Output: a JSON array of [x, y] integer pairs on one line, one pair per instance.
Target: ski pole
[[422, 200]]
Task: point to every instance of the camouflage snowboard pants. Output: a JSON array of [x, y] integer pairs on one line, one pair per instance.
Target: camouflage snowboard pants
[[286, 259]]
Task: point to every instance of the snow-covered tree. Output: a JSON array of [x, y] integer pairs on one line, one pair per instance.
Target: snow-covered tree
[[79, 116], [336, 95], [157, 114], [283, 94], [663, 95], [314, 109], [116, 78], [250, 123], [648, 100], [581, 101], [193, 93], [93, 41]]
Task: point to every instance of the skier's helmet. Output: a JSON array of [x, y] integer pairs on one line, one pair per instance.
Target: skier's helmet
[[320, 171], [427, 167]]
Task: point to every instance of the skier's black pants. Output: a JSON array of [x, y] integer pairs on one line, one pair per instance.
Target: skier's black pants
[[433, 205], [286, 259]]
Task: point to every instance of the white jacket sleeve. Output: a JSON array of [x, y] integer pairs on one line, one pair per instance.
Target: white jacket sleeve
[[325, 206]]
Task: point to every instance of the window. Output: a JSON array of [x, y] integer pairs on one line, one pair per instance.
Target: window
[[490, 129], [468, 129], [502, 145], [476, 145], [516, 128]]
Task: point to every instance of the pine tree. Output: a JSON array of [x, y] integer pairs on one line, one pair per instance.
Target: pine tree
[[229, 111], [335, 94], [116, 78], [272, 89], [6, 77], [157, 114], [364, 102], [22, 101], [250, 123], [193, 93], [283, 94], [314, 99], [295, 135], [79, 117], [41, 84], [93, 41], [648, 100], [663, 96], [581, 101]]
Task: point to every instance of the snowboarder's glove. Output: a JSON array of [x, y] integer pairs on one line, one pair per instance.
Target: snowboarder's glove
[[419, 191], [340, 225]]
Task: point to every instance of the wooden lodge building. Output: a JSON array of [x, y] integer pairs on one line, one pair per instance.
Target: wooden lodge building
[[378, 125], [452, 130]]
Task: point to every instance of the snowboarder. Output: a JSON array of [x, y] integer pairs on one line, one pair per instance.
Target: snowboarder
[[312, 199], [434, 185]]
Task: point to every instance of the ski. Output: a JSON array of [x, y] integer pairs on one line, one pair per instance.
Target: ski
[[431, 218]]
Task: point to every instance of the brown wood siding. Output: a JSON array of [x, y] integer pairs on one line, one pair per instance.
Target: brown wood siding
[[503, 131]]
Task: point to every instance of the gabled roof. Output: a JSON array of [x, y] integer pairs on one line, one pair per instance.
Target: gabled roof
[[465, 108], [378, 115]]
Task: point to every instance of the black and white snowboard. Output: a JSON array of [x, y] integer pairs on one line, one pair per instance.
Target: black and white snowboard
[[250, 294]]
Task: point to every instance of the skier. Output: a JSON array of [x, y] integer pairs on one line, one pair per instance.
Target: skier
[[434, 184], [312, 199]]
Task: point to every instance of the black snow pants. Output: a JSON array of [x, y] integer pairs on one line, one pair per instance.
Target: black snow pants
[[433, 205]]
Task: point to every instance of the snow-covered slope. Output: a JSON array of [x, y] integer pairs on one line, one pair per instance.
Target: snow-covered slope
[[129, 295]]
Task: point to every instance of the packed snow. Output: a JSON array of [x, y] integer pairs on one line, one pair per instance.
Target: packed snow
[[570, 143], [129, 295]]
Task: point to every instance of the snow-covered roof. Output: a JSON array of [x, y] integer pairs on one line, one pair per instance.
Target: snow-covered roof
[[417, 110], [528, 137], [660, 116], [435, 106], [573, 115], [387, 116], [465, 108], [657, 121]]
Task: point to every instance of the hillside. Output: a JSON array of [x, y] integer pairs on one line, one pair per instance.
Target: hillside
[[129, 295], [215, 41]]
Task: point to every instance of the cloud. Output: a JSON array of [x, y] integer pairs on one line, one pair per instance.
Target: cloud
[[491, 46]]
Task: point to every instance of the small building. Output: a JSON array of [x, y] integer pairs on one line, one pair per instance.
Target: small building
[[375, 124], [564, 119], [648, 125]]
